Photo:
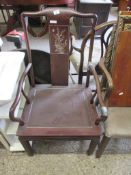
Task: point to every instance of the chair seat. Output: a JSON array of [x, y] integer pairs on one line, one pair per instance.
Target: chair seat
[[118, 123], [59, 111]]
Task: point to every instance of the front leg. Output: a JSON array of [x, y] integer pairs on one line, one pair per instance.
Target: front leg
[[94, 142], [27, 146]]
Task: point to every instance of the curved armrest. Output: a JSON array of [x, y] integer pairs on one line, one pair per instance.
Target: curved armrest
[[106, 73], [99, 90], [105, 24], [104, 111], [90, 35], [98, 86], [18, 95], [91, 32], [97, 27]]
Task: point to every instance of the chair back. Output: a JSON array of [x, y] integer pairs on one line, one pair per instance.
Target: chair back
[[58, 20]]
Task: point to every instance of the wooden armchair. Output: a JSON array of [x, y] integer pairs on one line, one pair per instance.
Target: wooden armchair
[[115, 87], [56, 111], [80, 57]]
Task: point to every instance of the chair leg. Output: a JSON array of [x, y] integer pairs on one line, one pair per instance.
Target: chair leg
[[27, 146], [102, 145], [92, 146]]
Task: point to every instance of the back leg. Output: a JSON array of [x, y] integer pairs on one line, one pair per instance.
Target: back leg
[[102, 145]]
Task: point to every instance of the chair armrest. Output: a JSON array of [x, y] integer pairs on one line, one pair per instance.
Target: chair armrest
[[104, 24], [18, 95], [104, 111], [98, 86], [97, 27], [106, 73], [90, 35]]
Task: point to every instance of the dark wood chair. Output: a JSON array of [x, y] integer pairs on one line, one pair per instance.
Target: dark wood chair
[[116, 92], [58, 110], [80, 57]]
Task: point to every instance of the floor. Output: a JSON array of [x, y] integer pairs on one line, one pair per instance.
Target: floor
[[66, 161], [67, 157]]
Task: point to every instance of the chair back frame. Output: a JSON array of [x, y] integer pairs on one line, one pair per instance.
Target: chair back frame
[[59, 34]]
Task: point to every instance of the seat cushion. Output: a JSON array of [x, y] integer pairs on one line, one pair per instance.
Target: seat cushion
[[59, 111], [118, 123]]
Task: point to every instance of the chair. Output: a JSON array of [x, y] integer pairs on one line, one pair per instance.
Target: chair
[[80, 57], [10, 16], [116, 92], [57, 110]]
